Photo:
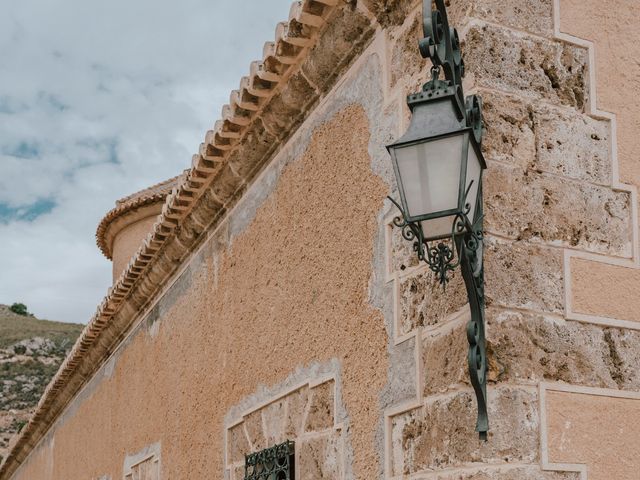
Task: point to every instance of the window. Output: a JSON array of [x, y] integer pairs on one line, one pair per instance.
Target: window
[[274, 463]]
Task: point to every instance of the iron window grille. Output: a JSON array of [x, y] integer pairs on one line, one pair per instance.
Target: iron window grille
[[273, 463]]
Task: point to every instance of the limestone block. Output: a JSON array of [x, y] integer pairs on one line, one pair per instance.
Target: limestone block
[[345, 37], [442, 434], [530, 66], [253, 426], [321, 414], [506, 472], [296, 409], [401, 252], [624, 356], [406, 60], [522, 275], [422, 301], [527, 205], [529, 347], [444, 360], [535, 16], [273, 417], [319, 458], [572, 144], [391, 12], [237, 444], [226, 184], [509, 135], [256, 146], [286, 110]]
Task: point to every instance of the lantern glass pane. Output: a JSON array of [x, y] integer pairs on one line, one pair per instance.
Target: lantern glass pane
[[440, 227], [474, 171], [430, 174]]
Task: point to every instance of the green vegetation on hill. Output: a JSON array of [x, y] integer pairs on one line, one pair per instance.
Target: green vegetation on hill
[[31, 351], [14, 328]]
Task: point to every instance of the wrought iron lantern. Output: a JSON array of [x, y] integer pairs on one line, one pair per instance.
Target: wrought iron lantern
[[438, 165]]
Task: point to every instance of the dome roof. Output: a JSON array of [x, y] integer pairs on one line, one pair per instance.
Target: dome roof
[[155, 194]]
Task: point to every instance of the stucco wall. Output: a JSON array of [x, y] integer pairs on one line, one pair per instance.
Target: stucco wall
[[127, 241], [305, 315]]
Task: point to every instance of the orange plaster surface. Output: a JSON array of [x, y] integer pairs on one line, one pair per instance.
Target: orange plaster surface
[[599, 431], [241, 323], [601, 289], [605, 290], [128, 240]]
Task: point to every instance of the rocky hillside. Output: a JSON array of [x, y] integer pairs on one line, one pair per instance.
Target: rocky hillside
[[31, 351]]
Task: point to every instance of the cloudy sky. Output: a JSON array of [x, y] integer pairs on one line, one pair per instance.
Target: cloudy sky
[[97, 100]]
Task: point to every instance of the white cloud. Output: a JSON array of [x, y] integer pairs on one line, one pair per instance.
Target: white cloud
[[98, 100]]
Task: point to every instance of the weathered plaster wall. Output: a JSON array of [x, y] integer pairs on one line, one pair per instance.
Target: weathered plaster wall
[[232, 323], [305, 285]]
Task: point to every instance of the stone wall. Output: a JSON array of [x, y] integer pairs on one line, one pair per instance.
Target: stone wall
[[303, 315]]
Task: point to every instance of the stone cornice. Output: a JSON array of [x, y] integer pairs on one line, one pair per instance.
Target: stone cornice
[[310, 51]]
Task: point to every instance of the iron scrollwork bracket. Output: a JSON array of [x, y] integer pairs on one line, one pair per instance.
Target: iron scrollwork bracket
[[442, 46]]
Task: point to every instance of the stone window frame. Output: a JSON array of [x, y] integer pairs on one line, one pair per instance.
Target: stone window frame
[[234, 469], [150, 453]]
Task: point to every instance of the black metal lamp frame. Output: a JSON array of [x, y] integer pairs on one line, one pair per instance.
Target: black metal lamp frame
[[442, 47]]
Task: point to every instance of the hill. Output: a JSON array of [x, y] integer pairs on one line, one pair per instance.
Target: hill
[[31, 350]]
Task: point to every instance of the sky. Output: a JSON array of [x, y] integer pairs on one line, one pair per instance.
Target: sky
[[98, 100]]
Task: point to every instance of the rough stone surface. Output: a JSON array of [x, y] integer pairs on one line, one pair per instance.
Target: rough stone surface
[[531, 348], [444, 360], [513, 436], [522, 275], [573, 144], [297, 407], [530, 66], [423, 301], [527, 205], [391, 12], [321, 411], [320, 458], [509, 135], [535, 16], [237, 444], [406, 60], [345, 38], [273, 419], [253, 427], [508, 473], [401, 252]]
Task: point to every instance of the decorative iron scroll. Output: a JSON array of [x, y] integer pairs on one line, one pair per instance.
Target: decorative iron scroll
[[274, 463], [441, 45]]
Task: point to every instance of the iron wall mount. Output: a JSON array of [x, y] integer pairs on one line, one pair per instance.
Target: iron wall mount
[[441, 45]]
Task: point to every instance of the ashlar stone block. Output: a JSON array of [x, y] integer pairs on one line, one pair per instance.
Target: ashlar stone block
[[523, 275], [401, 252], [535, 16], [525, 347], [321, 409], [530, 66], [537, 207], [509, 473], [237, 444], [273, 418], [296, 410], [572, 144], [444, 360], [442, 434], [320, 458], [422, 301], [509, 129]]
